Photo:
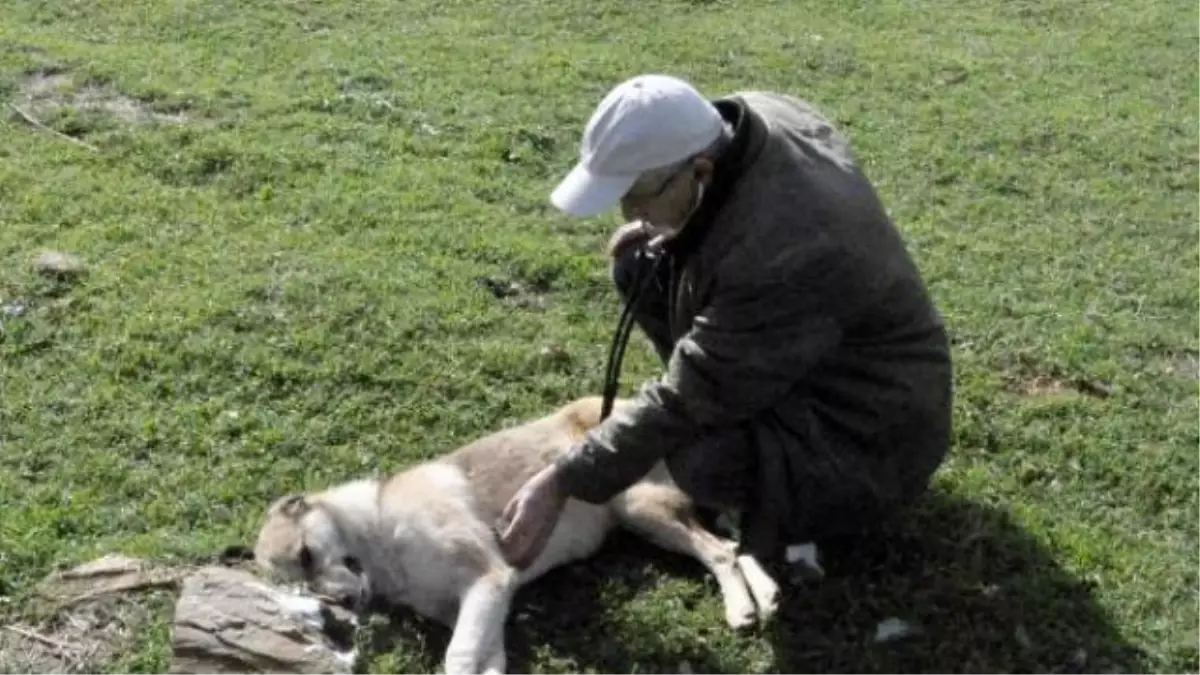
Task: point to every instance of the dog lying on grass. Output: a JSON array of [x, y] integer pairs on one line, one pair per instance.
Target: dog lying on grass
[[425, 539]]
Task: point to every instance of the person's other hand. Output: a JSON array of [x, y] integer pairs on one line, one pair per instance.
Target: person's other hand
[[530, 516]]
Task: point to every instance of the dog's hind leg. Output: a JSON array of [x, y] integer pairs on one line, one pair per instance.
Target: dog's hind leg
[[764, 588], [663, 515], [477, 641]]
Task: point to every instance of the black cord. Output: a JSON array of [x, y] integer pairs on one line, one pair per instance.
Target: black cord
[[616, 351]]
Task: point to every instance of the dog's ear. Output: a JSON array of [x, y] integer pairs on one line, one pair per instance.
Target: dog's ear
[[294, 505]]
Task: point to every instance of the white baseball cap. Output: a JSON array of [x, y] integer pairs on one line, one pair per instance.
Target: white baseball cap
[[644, 123]]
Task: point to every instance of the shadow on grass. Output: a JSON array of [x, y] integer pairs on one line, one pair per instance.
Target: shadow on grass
[[985, 595], [982, 593]]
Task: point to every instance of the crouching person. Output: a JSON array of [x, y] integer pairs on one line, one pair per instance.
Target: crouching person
[[808, 380]]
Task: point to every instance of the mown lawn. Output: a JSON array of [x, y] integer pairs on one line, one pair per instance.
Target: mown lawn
[[295, 214]]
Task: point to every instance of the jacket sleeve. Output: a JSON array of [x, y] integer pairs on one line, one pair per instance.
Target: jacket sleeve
[[762, 330]]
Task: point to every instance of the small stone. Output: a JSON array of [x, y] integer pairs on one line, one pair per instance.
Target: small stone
[[1022, 637], [893, 628], [59, 264], [989, 590], [13, 308], [554, 354]]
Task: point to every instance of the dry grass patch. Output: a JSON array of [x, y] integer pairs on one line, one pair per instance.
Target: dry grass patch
[[86, 616], [1184, 365], [47, 93]]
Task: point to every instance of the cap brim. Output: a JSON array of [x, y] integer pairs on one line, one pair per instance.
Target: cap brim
[[583, 193]]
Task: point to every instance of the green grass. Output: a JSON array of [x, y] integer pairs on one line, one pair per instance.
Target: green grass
[[283, 293]]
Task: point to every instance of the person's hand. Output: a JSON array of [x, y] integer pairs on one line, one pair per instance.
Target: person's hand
[[633, 232], [530, 516]]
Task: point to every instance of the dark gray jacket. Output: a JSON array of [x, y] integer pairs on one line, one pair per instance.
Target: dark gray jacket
[[797, 311]]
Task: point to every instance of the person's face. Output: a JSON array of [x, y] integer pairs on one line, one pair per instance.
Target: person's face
[[664, 198]]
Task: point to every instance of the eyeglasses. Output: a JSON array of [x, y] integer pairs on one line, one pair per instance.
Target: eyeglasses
[[638, 193]]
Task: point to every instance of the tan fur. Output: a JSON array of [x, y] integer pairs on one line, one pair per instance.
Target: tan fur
[[425, 537]]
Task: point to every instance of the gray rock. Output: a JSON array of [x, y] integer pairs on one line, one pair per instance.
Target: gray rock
[[894, 628], [228, 620]]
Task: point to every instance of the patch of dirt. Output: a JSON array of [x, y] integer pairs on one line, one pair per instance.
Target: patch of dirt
[[1045, 386], [1184, 365], [527, 296], [81, 640], [87, 617], [43, 93]]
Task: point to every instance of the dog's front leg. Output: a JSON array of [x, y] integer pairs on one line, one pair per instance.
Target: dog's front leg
[[479, 627]]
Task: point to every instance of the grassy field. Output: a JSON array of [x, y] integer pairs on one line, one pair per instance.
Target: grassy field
[[294, 214]]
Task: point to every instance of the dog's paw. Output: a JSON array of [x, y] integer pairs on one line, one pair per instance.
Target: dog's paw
[[765, 590], [741, 616]]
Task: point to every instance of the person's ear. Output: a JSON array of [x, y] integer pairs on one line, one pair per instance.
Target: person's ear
[[702, 170]]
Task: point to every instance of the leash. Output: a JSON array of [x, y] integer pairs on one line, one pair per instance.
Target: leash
[[616, 350]]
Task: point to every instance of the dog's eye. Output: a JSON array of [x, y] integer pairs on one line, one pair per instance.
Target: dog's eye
[[306, 559], [352, 564]]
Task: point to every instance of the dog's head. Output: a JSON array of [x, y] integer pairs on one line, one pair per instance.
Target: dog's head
[[302, 541]]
